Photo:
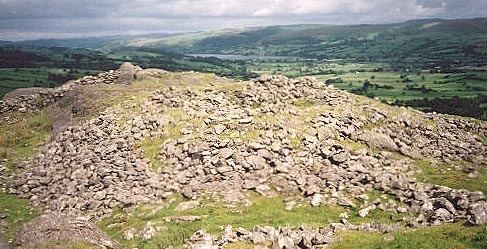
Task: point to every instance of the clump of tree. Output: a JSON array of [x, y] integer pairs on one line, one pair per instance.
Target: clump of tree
[[334, 81], [56, 79], [471, 107], [368, 85], [422, 88]]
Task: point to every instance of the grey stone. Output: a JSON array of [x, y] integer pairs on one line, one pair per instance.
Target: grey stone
[[285, 242], [378, 140], [344, 201], [478, 213], [219, 129], [316, 200], [187, 205], [226, 153]]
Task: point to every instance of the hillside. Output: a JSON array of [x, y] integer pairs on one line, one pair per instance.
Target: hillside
[[437, 42], [147, 158]]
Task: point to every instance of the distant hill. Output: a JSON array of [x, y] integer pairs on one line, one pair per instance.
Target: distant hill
[[451, 41], [4, 42], [89, 42], [429, 42], [430, 64]]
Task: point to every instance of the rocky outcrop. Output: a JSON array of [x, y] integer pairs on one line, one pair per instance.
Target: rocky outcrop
[[92, 167]]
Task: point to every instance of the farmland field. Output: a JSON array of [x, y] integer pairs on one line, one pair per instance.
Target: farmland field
[[12, 78]]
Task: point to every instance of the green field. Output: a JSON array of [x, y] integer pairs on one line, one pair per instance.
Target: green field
[[17, 78], [384, 83], [403, 86], [12, 78]]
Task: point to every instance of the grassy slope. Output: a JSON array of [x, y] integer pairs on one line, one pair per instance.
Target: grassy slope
[[17, 141], [453, 236], [437, 38], [264, 212], [446, 175]]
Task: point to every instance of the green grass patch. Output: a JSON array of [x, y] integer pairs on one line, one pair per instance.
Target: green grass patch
[[377, 215], [303, 102], [239, 245], [15, 211], [437, 237], [483, 138], [151, 148], [18, 139], [444, 175], [353, 145], [250, 135], [264, 211], [296, 142]]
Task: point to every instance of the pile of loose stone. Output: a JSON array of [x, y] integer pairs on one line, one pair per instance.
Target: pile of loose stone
[[257, 138], [33, 102], [321, 168], [92, 167]]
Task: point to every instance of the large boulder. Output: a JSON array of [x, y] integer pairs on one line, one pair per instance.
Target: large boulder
[[378, 140], [127, 73], [478, 213]]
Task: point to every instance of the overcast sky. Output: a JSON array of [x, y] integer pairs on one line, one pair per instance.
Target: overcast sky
[[21, 19]]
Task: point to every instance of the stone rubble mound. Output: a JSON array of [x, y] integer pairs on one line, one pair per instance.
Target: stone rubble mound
[[276, 92], [255, 138], [321, 168], [44, 97], [92, 167]]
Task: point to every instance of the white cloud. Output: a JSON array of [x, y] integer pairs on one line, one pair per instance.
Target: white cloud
[[156, 15]]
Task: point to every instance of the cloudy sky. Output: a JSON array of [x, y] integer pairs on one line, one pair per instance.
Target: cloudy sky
[[21, 19]]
